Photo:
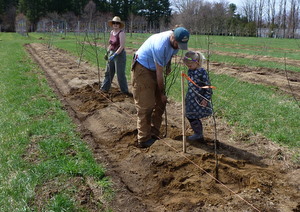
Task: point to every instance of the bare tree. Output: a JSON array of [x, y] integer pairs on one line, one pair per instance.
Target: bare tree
[[261, 4], [283, 18], [89, 12], [137, 24], [189, 11], [271, 12], [71, 21], [293, 18], [249, 10], [220, 16], [182, 5]]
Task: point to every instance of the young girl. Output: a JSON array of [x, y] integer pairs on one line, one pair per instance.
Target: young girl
[[197, 102]]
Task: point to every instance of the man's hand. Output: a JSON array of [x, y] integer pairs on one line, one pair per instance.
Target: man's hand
[[168, 68], [164, 99]]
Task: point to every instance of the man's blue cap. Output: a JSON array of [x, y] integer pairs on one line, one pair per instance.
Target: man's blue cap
[[182, 37]]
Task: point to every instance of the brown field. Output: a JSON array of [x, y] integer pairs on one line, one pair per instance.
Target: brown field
[[256, 176]]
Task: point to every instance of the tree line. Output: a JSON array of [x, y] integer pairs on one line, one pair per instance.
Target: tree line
[[273, 18], [154, 11]]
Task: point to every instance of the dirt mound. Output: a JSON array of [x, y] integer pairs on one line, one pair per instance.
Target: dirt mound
[[254, 176], [286, 81], [260, 58]]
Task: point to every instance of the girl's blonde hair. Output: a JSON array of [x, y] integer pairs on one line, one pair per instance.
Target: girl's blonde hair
[[193, 56]]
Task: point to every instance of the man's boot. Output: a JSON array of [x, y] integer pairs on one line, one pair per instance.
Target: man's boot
[[198, 131]]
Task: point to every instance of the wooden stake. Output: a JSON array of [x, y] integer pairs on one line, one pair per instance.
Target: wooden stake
[[183, 114]]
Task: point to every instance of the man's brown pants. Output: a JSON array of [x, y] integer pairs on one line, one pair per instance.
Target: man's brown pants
[[148, 102]]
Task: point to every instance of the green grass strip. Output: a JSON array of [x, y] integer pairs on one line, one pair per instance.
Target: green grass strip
[[38, 141], [257, 109]]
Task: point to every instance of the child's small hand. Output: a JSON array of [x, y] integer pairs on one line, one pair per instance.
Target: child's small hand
[[203, 103]]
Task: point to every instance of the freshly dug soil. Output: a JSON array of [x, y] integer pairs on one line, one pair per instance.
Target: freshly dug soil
[[252, 173]]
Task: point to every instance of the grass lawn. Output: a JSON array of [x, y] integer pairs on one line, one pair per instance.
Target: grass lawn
[[38, 141]]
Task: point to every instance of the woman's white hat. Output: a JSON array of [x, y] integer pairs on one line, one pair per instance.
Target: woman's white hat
[[116, 19]]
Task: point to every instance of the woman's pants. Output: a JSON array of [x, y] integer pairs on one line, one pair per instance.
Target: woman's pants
[[117, 65]]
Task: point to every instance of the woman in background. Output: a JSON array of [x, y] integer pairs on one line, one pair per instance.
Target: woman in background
[[116, 57]]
